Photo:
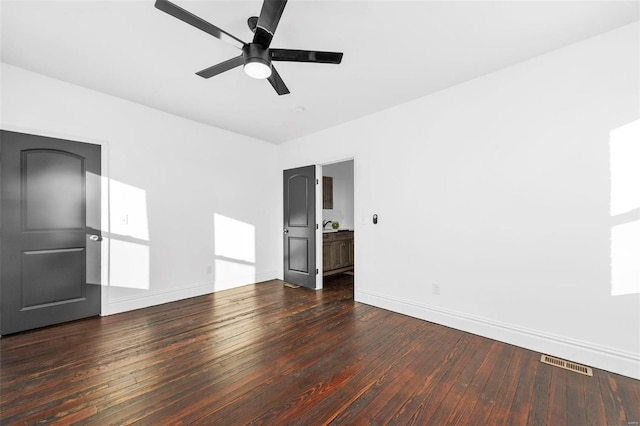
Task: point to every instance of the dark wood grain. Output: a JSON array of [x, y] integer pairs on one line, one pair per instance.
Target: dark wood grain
[[267, 354]]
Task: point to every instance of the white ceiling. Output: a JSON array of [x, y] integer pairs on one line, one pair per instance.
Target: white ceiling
[[394, 51]]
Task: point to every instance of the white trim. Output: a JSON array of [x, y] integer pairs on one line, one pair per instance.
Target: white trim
[[242, 281], [145, 300], [148, 299], [319, 219], [605, 358]]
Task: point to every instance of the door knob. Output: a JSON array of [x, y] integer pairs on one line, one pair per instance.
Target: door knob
[[286, 231], [95, 237]]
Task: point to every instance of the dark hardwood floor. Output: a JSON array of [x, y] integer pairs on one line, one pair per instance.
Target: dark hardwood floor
[[269, 354]]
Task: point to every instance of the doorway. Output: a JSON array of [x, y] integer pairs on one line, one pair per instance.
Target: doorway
[[338, 224]]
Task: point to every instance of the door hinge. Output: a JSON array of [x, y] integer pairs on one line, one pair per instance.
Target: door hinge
[[317, 227], [317, 182], [317, 271]]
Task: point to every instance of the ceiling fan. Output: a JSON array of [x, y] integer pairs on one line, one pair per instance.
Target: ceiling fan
[[256, 56]]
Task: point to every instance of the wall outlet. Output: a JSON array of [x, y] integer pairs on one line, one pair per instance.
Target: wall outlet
[[435, 289], [124, 219]]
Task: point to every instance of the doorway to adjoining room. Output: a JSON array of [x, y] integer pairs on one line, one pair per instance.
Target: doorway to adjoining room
[[338, 224]]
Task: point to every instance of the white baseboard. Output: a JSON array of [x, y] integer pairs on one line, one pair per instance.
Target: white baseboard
[[240, 281], [145, 300], [604, 358]]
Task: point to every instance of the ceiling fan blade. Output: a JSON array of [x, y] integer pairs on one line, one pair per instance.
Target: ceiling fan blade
[[268, 21], [277, 83], [191, 19], [221, 67], [290, 55]]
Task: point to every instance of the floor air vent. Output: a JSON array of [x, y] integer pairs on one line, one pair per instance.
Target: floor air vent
[[567, 365]]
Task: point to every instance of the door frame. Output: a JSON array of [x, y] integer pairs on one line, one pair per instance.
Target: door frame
[[104, 186], [319, 227]]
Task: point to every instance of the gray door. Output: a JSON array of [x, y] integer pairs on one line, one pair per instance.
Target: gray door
[[50, 213], [300, 226]]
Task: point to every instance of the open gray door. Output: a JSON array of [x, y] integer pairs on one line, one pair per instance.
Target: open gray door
[[300, 226], [50, 212]]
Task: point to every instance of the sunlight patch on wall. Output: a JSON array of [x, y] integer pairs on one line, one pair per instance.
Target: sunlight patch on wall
[[129, 264], [235, 251], [128, 237], [228, 271], [624, 154], [234, 239], [625, 259], [128, 205]]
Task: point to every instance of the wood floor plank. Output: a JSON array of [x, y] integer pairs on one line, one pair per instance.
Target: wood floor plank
[[355, 376], [540, 397], [421, 395], [617, 404], [248, 371], [235, 372], [557, 398], [390, 387], [486, 385], [577, 390], [267, 354], [629, 392], [457, 383], [303, 373], [506, 394], [523, 400]]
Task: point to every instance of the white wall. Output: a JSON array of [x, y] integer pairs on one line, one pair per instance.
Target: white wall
[[343, 198], [498, 191], [190, 208]]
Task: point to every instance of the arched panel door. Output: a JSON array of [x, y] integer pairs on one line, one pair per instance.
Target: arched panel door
[[300, 226], [50, 194]]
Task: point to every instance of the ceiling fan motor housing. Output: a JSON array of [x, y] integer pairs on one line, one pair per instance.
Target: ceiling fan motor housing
[[253, 52]]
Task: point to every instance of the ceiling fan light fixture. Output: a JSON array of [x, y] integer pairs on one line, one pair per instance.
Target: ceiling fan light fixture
[[257, 69], [256, 61]]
